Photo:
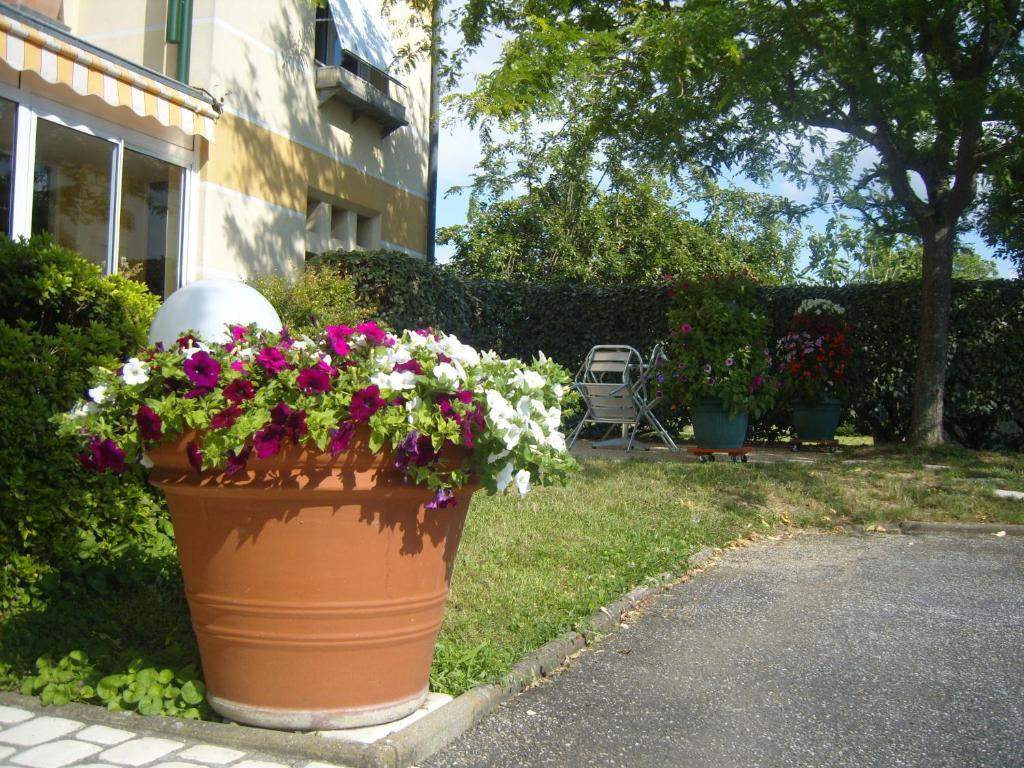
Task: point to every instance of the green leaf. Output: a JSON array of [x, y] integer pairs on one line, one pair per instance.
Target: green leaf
[[191, 693]]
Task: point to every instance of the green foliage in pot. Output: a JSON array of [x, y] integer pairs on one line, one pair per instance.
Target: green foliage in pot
[[716, 345], [415, 394], [813, 355]]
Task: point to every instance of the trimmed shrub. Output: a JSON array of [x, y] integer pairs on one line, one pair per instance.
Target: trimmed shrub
[[319, 296], [59, 317], [985, 379], [408, 293]]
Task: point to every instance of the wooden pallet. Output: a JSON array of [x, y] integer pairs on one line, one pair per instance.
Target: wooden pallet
[[708, 454], [832, 446]]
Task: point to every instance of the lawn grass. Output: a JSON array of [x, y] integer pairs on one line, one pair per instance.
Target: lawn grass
[[531, 568]]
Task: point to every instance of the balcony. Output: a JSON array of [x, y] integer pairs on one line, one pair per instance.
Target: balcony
[[364, 99]]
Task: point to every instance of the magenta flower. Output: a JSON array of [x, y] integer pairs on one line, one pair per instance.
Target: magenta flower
[[443, 497], [293, 422], [341, 437], [366, 402], [374, 333], [267, 441], [337, 338], [238, 365], [195, 456], [150, 424], [202, 370], [758, 381], [103, 455], [685, 328], [711, 379], [314, 380], [238, 332], [226, 418], [236, 461], [415, 449], [272, 360], [412, 366], [728, 362], [186, 341], [239, 390]]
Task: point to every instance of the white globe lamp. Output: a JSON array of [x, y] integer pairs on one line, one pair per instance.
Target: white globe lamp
[[207, 307]]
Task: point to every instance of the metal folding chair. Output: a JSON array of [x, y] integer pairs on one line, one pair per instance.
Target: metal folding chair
[[612, 381]]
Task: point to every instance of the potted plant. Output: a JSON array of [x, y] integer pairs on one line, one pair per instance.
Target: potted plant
[[813, 357], [719, 365], [318, 488]]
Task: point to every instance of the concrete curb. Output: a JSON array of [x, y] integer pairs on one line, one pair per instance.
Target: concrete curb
[[415, 742], [438, 729], [970, 529]]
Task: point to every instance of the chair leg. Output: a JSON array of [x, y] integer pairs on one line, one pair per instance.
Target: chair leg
[[656, 425], [576, 432]]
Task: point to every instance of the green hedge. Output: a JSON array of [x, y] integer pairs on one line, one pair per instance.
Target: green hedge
[[58, 317], [985, 384]]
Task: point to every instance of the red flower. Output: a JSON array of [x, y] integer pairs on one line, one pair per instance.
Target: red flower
[[150, 424], [226, 418], [239, 391]]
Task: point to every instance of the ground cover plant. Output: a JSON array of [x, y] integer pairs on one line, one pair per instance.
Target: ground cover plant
[[528, 568]]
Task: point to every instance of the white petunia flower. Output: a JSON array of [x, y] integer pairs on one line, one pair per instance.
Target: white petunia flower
[[196, 347], [493, 457], [396, 382], [134, 372], [557, 389], [528, 380], [83, 409], [145, 461], [98, 393], [450, 374], [504, 476], [557, 440], [523, 481], [510, 433]]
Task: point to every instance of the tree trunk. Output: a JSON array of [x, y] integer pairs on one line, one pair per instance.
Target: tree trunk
[[933, 337]]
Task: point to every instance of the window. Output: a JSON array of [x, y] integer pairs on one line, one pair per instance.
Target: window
[[328, 52], [148, 237], [8, 109], [71, 195], [120, 207]]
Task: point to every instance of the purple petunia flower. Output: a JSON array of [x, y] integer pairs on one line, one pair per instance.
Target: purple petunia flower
[[711, 380], [411, 366], [236, 461], [314, 380], [685, 328], [341, 437], [186, 341], [707, 368], [226, 418], [267, 441], [202, 370], [195, 456], [443, 497], [239, 390], [758, 381], [103, 455], [293, 422], [728, 362], [415, 449], [150, 424], [337, 338], [272, 360], [366, 402]]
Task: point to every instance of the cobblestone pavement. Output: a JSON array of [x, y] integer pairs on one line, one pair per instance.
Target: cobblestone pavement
[[29, 739]]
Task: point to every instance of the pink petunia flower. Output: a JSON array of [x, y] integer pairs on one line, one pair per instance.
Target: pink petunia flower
[[314, 380], [337, 339], [272, 360], [375, 334]]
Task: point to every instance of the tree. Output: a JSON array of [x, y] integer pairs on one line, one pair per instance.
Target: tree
[[901, 104], [617, 226], [844, 254]]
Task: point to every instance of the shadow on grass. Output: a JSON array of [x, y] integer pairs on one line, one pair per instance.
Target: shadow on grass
[[130, 606]]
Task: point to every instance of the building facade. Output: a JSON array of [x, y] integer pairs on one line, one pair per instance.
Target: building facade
[[174, 140]]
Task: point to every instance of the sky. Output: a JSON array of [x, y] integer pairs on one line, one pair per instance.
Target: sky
[[459, 151]]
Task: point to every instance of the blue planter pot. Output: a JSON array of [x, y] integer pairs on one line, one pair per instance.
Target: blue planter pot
[[713, 427], [816, 421]]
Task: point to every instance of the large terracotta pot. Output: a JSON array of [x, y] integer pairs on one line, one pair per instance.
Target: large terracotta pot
[[316, 585]]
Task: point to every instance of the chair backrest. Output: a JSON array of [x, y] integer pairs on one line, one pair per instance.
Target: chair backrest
[[610, 362]]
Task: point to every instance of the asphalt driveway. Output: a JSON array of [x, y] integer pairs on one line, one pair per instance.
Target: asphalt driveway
[[878, 650]]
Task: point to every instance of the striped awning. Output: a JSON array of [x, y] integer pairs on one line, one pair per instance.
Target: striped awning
[[87, 72]]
